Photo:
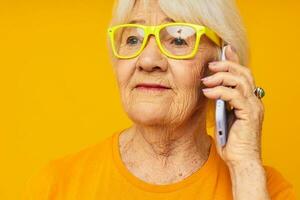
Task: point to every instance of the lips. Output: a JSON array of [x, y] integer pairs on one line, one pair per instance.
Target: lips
[[151, 86]]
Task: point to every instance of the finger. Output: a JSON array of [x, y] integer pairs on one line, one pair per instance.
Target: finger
[[232, 96], [231, 54], [229, 66], [229, 80]]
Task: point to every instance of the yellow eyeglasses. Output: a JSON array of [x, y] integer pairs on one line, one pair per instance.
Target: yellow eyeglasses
[[175, 40]]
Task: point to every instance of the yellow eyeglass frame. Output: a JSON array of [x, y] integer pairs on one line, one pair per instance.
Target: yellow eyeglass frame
[[155, 30]]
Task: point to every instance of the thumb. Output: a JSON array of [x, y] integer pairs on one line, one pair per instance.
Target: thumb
[[231, 54]]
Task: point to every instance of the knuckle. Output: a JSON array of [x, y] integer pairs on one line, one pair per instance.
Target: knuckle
[[228, 63], [243, 80], [249, 74], [259, 106], [236, 94], [246, 94]]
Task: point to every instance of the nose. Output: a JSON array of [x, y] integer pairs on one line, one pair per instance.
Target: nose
[[151, 59]]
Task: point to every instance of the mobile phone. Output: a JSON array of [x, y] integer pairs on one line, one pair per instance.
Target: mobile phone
[[221, 114]]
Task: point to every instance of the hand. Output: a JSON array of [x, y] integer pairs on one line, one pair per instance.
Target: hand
[[235, 84]]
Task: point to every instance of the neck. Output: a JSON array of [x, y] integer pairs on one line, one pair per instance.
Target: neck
[[182, 149], [167, 142]]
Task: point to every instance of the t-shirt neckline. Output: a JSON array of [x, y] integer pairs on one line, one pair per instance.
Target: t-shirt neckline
[[200, 173]]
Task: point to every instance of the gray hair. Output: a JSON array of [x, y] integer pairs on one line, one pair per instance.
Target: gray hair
[[222, 16]]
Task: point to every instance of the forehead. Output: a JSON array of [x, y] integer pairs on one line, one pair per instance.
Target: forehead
[[147, 12]]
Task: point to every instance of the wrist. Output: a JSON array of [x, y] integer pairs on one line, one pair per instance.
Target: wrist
[[248, 169], [254, 162], [249, 180]]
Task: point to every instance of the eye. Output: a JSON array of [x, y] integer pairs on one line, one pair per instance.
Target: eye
[[132, 40], [179, 42]]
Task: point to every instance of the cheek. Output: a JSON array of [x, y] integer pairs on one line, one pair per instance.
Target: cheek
[[187, 73], [187, 78], [124, 70]]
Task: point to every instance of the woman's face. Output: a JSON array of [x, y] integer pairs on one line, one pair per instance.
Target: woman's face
[[168, 106]]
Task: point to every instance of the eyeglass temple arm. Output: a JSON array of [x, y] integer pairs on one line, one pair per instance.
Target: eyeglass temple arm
[[214, 37]]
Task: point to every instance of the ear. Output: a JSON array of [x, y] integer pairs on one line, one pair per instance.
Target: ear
[[231, 54]]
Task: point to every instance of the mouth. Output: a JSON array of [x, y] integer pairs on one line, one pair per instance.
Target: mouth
[[152, 87]]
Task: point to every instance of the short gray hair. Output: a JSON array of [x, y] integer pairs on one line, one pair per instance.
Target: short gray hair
[[222, 16]]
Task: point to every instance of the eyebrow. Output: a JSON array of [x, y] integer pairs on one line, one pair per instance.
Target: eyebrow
[[141, 21]]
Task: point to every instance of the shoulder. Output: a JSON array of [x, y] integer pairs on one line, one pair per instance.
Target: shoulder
[[278, 186], [67, 169]]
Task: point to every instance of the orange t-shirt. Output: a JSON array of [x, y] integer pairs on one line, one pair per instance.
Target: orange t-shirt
[[97, 172]]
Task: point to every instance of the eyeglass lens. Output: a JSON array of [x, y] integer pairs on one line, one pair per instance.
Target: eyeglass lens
[[176, 40]]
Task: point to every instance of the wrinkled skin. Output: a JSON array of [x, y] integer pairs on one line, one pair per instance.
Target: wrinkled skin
[[168, 140], [169, 129], [183, 76]]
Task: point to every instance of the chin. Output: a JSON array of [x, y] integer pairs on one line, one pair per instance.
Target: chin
[[148, 114]]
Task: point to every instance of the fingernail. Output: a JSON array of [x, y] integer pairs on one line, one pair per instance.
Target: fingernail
[[206, 89], [205, 78]]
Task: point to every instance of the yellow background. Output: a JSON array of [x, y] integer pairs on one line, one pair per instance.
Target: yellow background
[[59, 95]]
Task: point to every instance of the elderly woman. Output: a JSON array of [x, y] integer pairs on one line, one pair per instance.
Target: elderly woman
[[162, 50]]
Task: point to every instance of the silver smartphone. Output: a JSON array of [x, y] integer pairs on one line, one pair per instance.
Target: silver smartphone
[[221, 115]]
